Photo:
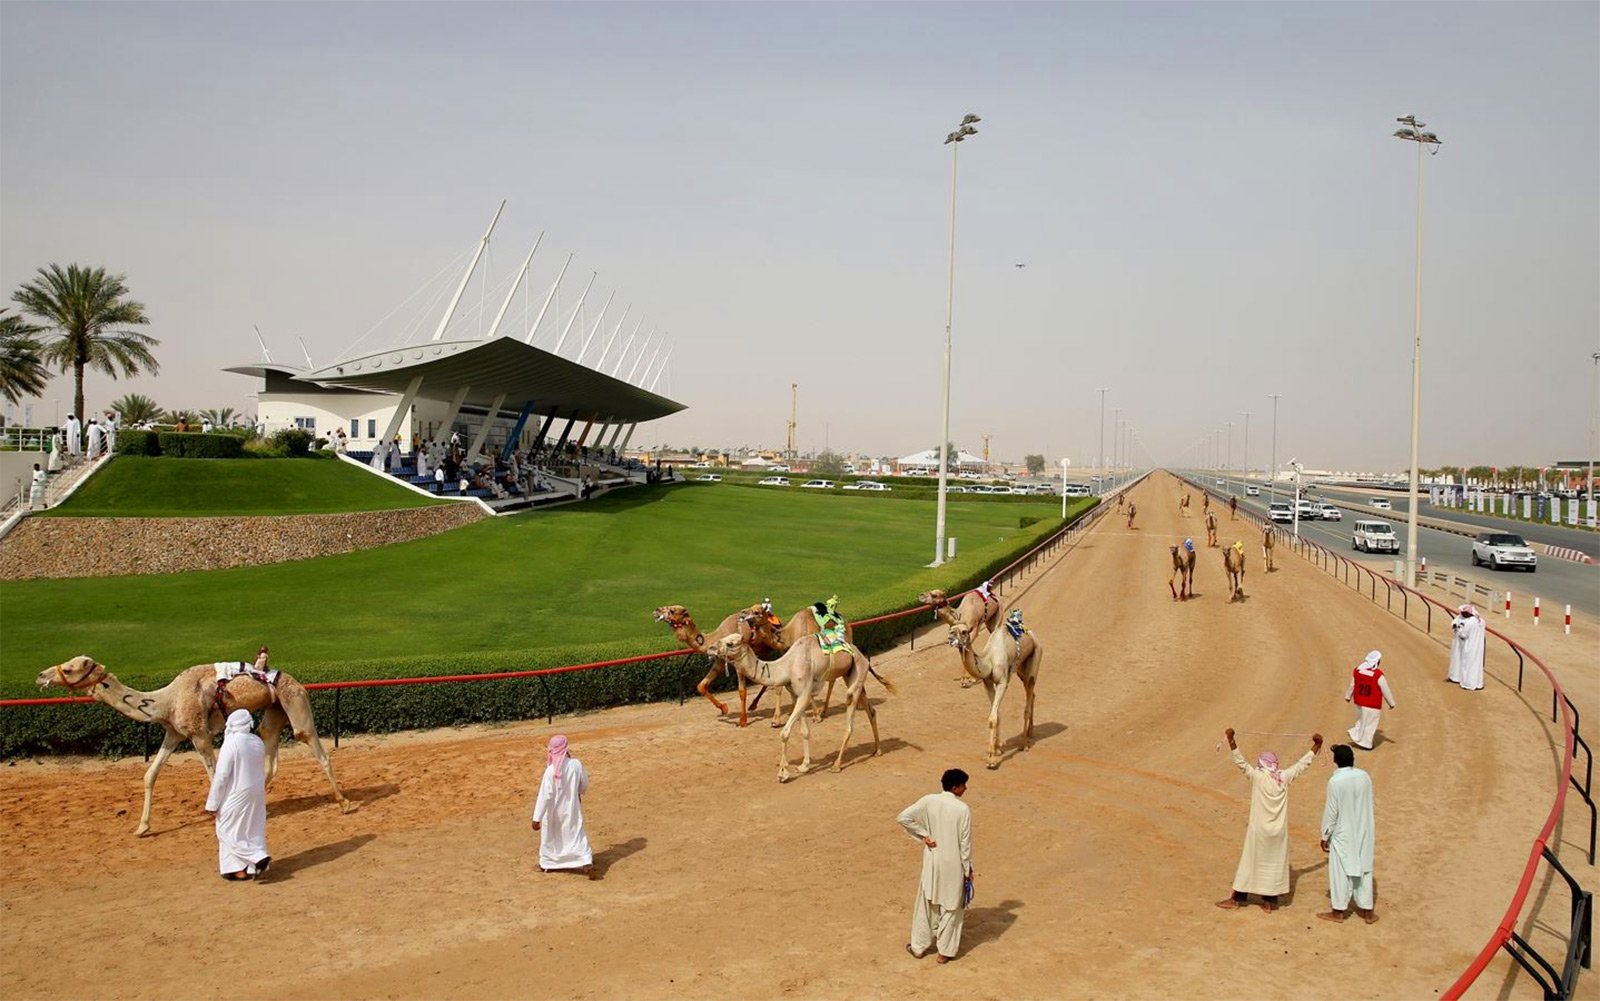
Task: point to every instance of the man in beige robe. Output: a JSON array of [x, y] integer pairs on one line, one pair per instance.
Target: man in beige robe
[[944, 826], [1264, 862]]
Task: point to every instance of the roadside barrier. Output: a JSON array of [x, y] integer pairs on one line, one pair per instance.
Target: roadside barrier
[[1580, 930], [1006, 576]]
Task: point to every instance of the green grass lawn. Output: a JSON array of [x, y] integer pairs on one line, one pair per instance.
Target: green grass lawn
[[506, 591], [137, 486]]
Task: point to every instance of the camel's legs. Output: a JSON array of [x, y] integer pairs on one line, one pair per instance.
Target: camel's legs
[[855, 694], [744, 701], [704, 688], [998, 690], [299, 712], [798, 712], [872, 718], [827, 696], [273, 720], [1030, 677], [169, 743]]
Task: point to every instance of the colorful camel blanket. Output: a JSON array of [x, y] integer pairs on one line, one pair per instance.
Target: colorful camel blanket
[[1014, 626], [227, 670]]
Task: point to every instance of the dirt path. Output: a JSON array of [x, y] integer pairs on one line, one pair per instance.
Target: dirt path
[[1099, 852]]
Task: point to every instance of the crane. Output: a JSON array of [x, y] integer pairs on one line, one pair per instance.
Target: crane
[[985, 436]]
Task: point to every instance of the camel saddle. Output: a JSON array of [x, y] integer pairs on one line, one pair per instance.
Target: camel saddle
[[230, 669]]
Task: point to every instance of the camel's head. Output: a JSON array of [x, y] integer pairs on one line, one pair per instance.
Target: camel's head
[[79, 673], [672, 615], [960, 637], [934, 598], [730, 647], [1173, 550]]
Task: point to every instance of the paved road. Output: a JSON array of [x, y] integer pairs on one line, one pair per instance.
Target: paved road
[[1551, 535], [1557, 581]]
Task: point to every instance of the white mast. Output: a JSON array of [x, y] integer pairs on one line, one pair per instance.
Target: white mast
[[620, 320], [652, 363], [626, 345], [642, 349], [540, 318], [596, 328], [444, 321], [303, 351], [512, 294], [659, 371], [575, 311], [265, 354]]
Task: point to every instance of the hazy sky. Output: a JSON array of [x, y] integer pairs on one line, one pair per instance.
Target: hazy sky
[[1207, 199]]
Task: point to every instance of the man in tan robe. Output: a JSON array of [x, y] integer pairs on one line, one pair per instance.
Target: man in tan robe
[[1264, 862], [944, 826]]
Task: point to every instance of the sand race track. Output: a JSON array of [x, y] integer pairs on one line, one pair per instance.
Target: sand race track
[[1099, 852]]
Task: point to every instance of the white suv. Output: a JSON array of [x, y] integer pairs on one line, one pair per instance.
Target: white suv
[[1327, 512], [1380, 504], [773, 481], [1503, 551], [875, 485], [1280, 511], [1373, 537], [817, 485]]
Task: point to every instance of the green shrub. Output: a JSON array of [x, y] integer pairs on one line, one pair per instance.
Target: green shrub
[[261, 448], [194, 445], [138, 443], [1026, 520], [294, 441]]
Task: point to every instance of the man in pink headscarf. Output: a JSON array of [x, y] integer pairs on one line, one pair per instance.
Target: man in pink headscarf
[[1264, 861], [558, 812]]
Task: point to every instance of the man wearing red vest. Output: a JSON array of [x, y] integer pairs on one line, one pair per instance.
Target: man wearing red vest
[[1369, 690]]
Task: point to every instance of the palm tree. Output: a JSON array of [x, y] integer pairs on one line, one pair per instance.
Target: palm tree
[[85, 311], [223, 418], [136, 409], [22, 368], [180, 415]]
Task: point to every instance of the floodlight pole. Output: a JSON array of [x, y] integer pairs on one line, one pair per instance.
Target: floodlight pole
[[953, 140], [1412, 131]]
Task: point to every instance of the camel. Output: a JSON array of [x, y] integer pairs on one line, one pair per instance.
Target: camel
[[1211, 530], [977, 608], [1233, 562], [1183, 506], [1182, 565], [682, 625], [801, 671], [1233, 508], [764, 629], [192, 707], [1268, 540], [1133, 509], [1006, 655]]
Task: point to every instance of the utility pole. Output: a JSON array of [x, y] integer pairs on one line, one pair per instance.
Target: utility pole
[[794, 399], [1247, 444], [1101, 467], [1272, 489]]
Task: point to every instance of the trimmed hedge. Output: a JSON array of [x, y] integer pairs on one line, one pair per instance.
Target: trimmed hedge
[[96, 729], [138, 443], [199, 445]]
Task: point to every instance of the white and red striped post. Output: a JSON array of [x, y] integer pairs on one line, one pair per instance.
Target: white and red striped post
[[1535, 611], [1424, 567], [1508, 604], [1569, 620]]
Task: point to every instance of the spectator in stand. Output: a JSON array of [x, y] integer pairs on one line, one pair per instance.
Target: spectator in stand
[[422, 462], [438, 479]]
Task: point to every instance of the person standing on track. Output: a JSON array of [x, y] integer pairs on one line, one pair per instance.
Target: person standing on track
[[944, 826], [1264, 862], [558, 812], [1369, 689], [238, 800], [1347, 837], [1233, 508], [1466, 649]]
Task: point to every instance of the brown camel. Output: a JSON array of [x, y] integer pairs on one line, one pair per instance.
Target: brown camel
[[1233, 562], [1133, 509], [1211, 529], [1268, 539], [1183, 506], [1182, 565], [682, 625], [976, 609], [766, 630], [193, 708], [801, 670], [1005, 656]]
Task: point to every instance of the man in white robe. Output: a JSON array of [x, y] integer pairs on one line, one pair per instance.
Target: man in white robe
[[239, 800], [36, 487], [74, 431], [558, 812], [422, 463], [1466, 650], [97, 439], [944, 826], [1368, 689], [1347, 837], [1264, 861]]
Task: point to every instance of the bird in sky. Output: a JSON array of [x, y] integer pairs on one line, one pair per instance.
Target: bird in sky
[[1021, 265]]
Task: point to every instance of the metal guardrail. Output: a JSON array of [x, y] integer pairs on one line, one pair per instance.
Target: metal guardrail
[[1555, 984]]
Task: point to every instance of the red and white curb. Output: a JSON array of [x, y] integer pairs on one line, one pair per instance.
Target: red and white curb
[[1566, 553]]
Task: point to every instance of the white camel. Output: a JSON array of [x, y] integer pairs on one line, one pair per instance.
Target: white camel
[[1011, 652], [801, 670]]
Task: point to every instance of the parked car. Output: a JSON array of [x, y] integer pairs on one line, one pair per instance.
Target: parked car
[[1076, 489], [782, 469], [708, 478], [1373, 537], [1252, 491], [1327, 512], [699, 465], [1220, 481], [773, 481], [817, 485], [952, 490], [1380, 503], [1280, 511], [875, 485], [1503, 551]]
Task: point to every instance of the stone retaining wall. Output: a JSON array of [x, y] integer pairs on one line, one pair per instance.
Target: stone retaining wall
[[107, 547]]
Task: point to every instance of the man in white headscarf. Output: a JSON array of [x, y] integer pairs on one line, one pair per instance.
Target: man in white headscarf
[[97, 439], [1369, 690], [239, 800], [558, 812], [74, 430], [1466, 650], [1264, 861]]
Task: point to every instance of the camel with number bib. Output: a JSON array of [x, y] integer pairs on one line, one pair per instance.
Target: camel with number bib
[[195, 706]]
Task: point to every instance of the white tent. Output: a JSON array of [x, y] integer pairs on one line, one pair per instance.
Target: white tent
[[930, 458]]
